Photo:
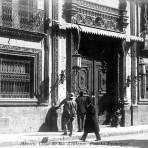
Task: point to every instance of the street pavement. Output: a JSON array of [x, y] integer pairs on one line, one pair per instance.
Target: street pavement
[[56, 139], [138, 140]]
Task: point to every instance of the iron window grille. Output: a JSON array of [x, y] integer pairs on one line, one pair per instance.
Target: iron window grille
[[22, 17], [16, 78]]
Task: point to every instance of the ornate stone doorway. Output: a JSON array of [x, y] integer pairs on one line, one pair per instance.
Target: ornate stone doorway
[[99, 73]]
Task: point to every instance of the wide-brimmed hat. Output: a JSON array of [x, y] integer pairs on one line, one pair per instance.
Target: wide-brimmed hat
[[71, 95]]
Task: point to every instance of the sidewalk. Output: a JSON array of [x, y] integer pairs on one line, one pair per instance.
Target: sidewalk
[[49, 137]]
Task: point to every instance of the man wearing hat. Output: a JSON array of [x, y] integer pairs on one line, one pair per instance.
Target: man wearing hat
[[69, 112]]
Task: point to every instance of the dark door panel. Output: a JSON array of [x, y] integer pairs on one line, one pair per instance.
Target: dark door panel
[[85, 77]]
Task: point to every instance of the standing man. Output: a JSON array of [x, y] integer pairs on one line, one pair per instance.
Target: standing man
[[69, 112], [80, 100]]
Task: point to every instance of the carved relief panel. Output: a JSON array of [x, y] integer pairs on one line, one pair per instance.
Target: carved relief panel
[[101, 81], [83, 82]]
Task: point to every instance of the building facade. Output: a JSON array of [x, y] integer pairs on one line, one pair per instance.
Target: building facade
[[21, 65], [41, 38], [109, 37]]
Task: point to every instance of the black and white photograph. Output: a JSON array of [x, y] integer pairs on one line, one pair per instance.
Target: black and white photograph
[[74, 73]]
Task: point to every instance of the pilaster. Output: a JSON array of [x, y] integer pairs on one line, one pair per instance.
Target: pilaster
[[15, 13], [134, 83], [134, 73], [122, 81], [46, 54]]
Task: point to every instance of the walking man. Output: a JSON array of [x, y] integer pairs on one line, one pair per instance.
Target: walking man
[[69, 112], [91, 122]]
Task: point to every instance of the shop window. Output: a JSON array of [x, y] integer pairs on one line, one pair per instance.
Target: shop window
[[16, 77]]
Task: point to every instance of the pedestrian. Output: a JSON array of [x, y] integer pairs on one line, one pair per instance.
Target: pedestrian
[[91, 122], [80, 100], [69, 112]]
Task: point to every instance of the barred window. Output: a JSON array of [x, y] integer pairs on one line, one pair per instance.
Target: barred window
[[16, 77]]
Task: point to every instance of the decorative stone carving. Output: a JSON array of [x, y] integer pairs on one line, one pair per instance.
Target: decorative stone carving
[[95, 15]]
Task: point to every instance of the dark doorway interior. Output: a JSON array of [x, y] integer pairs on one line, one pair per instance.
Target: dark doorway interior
[[99, 64]]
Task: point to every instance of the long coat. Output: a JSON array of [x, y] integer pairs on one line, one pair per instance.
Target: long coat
[[91, 123]]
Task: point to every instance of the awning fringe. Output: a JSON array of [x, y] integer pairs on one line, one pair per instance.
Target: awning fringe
[[96, 31]]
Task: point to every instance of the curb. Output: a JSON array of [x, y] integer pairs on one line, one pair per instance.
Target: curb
[[56, 138]]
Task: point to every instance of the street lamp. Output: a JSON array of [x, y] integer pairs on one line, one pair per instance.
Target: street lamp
[[76, 65]]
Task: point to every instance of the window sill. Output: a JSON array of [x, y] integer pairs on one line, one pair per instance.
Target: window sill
[[18, 102], [143, 101]]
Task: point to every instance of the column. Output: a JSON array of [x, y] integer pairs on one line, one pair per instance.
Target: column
[[122, 79], [46, 54], [134, 85], [55, 44], [134, 73]]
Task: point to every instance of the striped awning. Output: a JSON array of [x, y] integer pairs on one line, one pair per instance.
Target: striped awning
[[97, 31]]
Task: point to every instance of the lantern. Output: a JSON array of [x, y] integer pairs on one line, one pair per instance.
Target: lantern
[[76, 61], [142, 68]]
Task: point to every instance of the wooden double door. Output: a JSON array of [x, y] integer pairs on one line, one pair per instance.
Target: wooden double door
[[92, 79], [99, 79]]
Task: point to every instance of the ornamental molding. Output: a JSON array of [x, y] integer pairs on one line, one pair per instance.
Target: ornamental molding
[[21, 34], [10, 48], [90, 14], [36, 54]]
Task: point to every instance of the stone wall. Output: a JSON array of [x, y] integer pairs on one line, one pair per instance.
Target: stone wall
[[31, 119], [142, 114], [136, 117], [22, 119]]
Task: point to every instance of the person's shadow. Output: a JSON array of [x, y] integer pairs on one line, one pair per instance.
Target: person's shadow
[[50, 124]]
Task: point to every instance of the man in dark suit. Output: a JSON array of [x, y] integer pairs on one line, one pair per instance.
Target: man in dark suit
[[80, 100]]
